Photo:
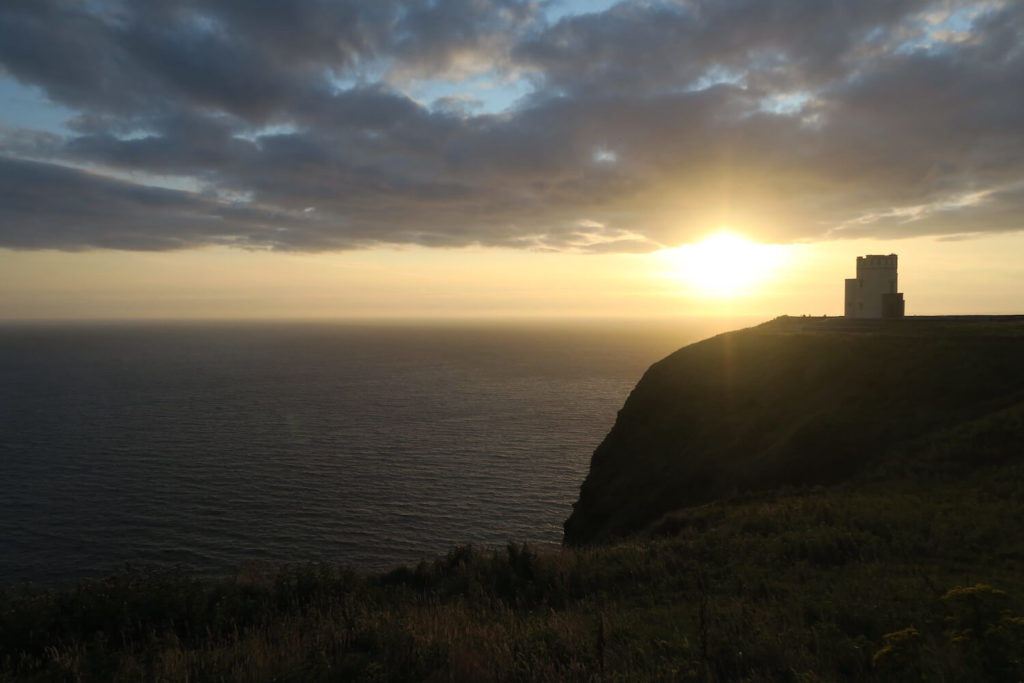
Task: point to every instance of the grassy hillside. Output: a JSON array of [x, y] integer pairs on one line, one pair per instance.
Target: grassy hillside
[[909, 566], [795, 401]]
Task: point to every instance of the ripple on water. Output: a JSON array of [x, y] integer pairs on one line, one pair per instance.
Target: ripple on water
[[207, 446]]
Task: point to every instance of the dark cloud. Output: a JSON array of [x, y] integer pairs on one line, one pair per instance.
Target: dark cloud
[[435, 37], [50, 206], [647, 124], [642, 47]]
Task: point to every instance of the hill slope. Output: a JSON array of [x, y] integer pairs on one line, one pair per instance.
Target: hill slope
[[794, 401]]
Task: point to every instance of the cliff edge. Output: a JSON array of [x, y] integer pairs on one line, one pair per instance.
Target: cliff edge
[[794, 401]]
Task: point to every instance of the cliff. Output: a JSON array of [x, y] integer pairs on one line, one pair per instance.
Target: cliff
[[795, 402]]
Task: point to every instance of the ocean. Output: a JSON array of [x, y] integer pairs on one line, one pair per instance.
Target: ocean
[[207, 446]]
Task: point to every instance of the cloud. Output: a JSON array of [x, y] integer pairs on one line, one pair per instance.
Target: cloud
[[50, 206], [287, 125]]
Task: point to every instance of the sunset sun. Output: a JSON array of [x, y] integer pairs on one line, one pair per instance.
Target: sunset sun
[[725, 264]]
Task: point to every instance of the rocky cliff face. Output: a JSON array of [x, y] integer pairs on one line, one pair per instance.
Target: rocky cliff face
[[795, 401]]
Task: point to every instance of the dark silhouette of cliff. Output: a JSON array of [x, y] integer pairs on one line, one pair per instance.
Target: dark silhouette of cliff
[[795, 402]]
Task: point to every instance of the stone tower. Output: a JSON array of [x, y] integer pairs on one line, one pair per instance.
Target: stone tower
[[872, 294]]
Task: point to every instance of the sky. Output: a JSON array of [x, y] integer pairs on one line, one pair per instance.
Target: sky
[[467, 158]]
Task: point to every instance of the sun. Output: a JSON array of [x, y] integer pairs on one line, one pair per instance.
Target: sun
[[725, 264]]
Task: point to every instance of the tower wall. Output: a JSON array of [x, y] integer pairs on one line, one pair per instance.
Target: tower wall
[[852, 298], [878, 275], [874, 292]]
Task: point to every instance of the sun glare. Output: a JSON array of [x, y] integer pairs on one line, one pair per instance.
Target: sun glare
[[725, 264]]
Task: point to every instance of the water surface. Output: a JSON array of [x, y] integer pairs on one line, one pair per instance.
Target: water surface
[[208, 445]]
